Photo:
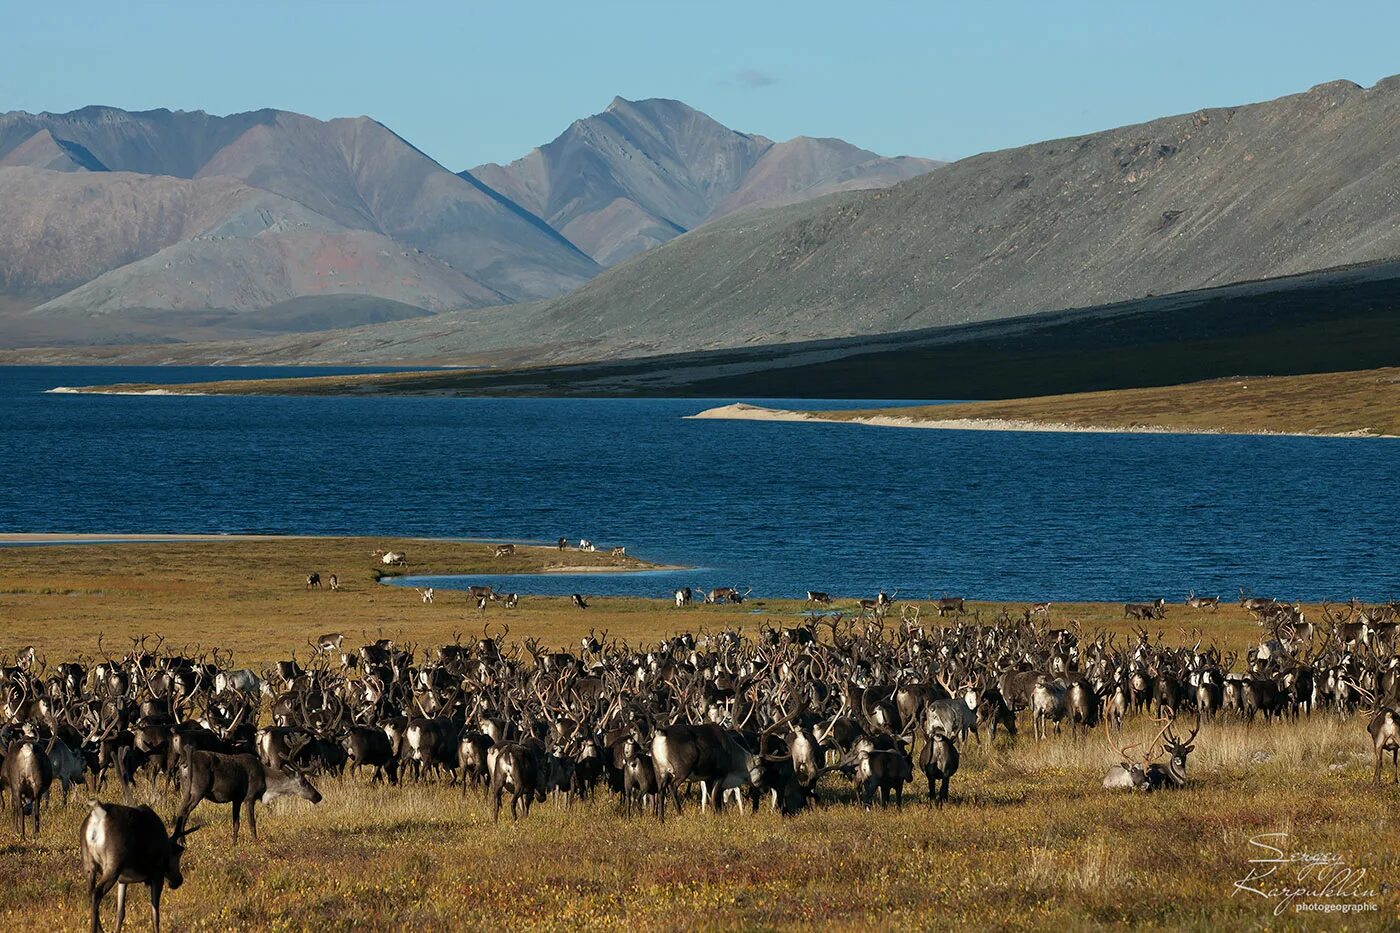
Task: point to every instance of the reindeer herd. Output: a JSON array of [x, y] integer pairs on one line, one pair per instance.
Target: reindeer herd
[[725, 718]]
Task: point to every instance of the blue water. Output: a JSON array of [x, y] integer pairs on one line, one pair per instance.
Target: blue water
[[780, 507]]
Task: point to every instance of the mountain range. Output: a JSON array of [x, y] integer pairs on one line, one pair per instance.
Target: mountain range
[[643, 172], [161, 226]]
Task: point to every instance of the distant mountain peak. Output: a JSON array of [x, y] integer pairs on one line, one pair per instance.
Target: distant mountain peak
[[642, 172]]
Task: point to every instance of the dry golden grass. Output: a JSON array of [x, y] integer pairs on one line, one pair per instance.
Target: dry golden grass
[[1328, 403], [1029, 840]]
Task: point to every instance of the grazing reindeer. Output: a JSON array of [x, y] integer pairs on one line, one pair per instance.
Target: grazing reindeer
[[618, 552], [26, 774], [1040, 609], [684, 596], [585, 545], [563, 543], [239, 780], [950, 605], [505, 550], [818, 598], [510, 600], [335, 583], [129, 845], [1203, 602], [313, 581], [578, 601], [426, 594], [1153, 610], [726, 594]]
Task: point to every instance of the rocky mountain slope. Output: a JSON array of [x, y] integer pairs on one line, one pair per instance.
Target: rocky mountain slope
[[1305, 182], [643, 172], [171, 226]]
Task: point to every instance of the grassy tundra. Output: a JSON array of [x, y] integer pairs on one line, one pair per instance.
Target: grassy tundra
[[1365, 402], [1030, 838]]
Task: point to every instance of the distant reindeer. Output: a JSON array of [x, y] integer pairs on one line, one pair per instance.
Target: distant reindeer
[[950, 605], [391, 558], [726, 594], [684, 595], [509, 600], [129, 845], [335, 582], [585, 545], [329, 642], [427, 594], [505, 550], [618, 552], [818, 598], [1154, 610], [579, 603], [313, 581], [563, 543], [1203, 602]]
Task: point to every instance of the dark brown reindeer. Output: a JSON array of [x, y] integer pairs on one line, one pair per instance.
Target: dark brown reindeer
[[240, 780], [938, 759], [1153, 610], [639, 787], [818, 598], [129, 845], [26, 773], [518, 769], [313, 581]]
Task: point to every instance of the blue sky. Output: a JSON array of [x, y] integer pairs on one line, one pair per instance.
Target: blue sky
[[474, 82]]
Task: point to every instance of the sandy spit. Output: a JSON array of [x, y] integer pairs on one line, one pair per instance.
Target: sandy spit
[[744, 412]]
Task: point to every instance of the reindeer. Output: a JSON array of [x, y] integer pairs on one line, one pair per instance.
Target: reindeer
[[952, 605], [585, 545], [1153, 610], [426, 595], [818, 598], [240, 780], [329, 643], [1203, 602], [26, 773], [578, 601], [684, 596], [519, 770], [726, 594], [938, 759], [129, 845], [313, 581], [639, 785], [505, 550], [618, 552], [335, 583], [391, 558]]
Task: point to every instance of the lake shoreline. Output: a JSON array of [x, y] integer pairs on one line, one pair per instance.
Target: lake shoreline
[[741, 411]]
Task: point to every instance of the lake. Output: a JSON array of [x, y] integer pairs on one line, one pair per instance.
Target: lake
[[779, 507]]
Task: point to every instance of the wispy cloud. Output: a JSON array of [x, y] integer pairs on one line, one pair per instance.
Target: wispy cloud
[[752, 78]]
